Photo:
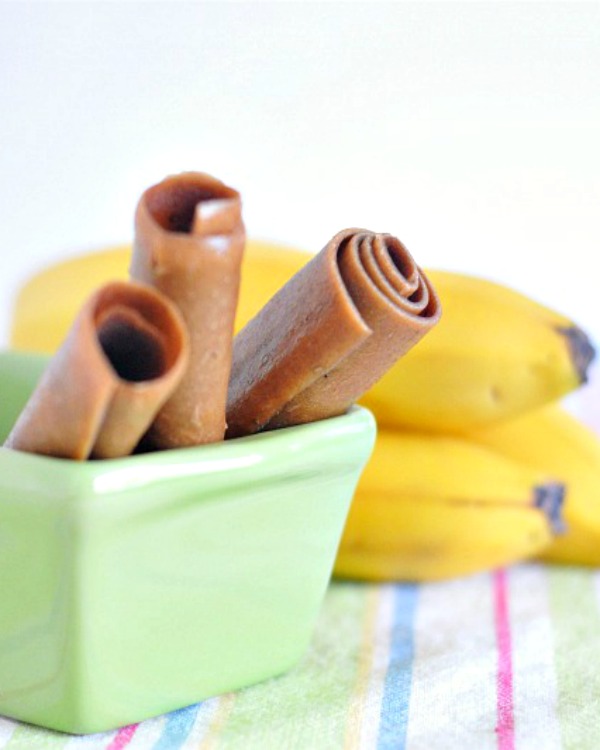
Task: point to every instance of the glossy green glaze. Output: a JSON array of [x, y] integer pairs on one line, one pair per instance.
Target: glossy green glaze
[[136, 586]]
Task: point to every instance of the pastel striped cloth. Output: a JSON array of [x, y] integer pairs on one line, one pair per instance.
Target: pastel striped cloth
[[507, 660]]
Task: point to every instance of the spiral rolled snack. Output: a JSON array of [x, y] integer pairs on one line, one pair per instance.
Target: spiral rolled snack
[[189, 241], [122, 358], [331, 332]]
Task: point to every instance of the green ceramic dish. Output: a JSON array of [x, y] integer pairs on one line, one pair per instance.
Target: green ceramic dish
[[136, 586]]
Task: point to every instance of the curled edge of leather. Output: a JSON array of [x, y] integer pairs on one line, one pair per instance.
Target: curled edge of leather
[[124, 355], [189, 242], [329, 334]]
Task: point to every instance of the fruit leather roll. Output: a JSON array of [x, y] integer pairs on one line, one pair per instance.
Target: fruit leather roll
[[123, 357], [189, 240], [329, 333]]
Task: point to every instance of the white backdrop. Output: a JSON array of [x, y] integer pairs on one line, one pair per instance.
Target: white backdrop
[[469, 130]]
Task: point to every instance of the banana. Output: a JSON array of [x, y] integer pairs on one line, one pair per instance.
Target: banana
[[47, 303], [551, 439], [494, 354], [431, 507]]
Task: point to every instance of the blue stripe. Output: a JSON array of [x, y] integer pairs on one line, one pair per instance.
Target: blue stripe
[[177, 728], [396, 695]]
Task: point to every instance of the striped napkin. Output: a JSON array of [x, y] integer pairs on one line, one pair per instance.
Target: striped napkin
[[497, 661], [504, 660]]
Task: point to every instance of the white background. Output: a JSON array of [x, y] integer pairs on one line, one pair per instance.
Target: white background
[[469, 130]]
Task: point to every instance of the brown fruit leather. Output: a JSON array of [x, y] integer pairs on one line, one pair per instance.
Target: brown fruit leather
[[329, 334], [122, 358], [189, 241]]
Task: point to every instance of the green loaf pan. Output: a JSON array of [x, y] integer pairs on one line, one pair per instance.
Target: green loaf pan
[[132, 587]]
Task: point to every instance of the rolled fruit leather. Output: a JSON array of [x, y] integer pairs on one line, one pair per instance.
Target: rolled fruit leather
[[189, 241], [329, 334], [124, 355]]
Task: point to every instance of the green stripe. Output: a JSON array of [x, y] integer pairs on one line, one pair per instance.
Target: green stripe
[[308, 707], [27, 737], [576, 624]]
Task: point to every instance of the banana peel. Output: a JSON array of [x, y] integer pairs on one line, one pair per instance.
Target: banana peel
[[431, 507], [47, 303], [495, 354], [552, 440]]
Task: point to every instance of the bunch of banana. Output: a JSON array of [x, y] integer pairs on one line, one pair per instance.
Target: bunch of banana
[[476, 455], [473, 456], [434, 506], [553, 441]]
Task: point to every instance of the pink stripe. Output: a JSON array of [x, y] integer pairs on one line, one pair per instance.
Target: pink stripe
[[123, 737], [505, 727]]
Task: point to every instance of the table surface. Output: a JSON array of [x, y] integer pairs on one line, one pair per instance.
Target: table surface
[[500, 660]]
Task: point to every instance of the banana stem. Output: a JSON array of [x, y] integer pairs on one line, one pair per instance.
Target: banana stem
[[581, 349]]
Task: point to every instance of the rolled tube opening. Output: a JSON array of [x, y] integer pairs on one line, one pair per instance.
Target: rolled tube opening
[[139, 332], [173, 205], [135, 355]]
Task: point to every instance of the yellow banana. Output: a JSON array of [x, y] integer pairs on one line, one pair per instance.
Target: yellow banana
[[47, 304], [494, 354], [430, 507], [551, 439]]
